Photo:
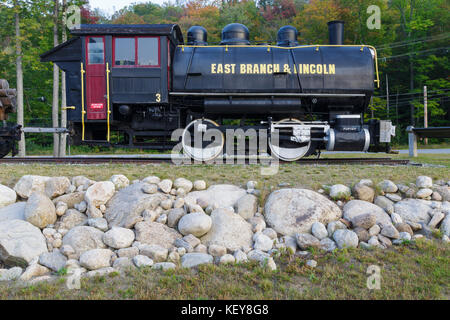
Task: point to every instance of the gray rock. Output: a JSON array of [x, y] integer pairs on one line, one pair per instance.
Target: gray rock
[[221, 195], [152, 180], [123, 263], [374, 230], [445, 225], [40, 210], [165, 185], [156, 233], [404, 227], [311, 263], [413, 210], [164, 266], [247, 206], [119, 181], [384, 240], [345, 238], [184, 184], [390, 232], [288, 242], [181, 243], [364, 192], [333, 226], [263, 243], [141, 261], [29, 184], [216, 250], [196, 223], [258, 223], [10, 274], [34, 270], [99, 223], [20, 242], [53, 260], [240, 256], [365, 221], [444, 192], [155, 252], [7, 196], [424, 193], [99, 193], [100, 272], [226, 259], [436, 219], [356, 208], [72, 218], [96, 259], [71, 199], [290, 211], [126, 206], [84, 238], [149, 188], [174, 216], [424, 182], [118, 238], [258, 255], [388, 186], [130, 252], [385, 204], [14, 211], [229, 230], [319, 231], [363, 234], [272, 234], [56, 186], [190, 260], [339, 191], [393, 197], [306, 240], [327, 244], [199, 185], [396, 218]]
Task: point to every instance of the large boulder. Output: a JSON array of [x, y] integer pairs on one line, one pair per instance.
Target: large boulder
[[7, 196], [364, 192], [14, 211], [356, 208], [246, 206], [229, 230], [40, 210], [53, 260], [156, 233], [190, 260], [29, 184], [345, 238], [413, 210], [126, 206], [444, 191], [84, 238], [291, 211], [56, 186], [70, 199], [220, 195], [99, 193], [196, 223], [20, 242]]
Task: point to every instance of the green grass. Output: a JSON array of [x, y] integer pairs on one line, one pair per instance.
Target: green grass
[[415, 271]]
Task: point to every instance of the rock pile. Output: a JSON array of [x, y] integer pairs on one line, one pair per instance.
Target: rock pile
[[49, 224]]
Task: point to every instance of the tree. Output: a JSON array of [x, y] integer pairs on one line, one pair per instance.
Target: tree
[[19, 81], [55, 101], [63, 136]]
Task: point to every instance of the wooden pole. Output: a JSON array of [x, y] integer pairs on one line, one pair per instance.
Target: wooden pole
[[387, 95], [63, 136], [19, 72], [425, 110], [55, 102]]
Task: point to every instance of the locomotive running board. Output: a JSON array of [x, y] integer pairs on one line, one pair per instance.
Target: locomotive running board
[[325, 95]]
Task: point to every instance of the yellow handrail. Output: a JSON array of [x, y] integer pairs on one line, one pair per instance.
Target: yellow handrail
[[107, 95], [83, 112], [297, 47]]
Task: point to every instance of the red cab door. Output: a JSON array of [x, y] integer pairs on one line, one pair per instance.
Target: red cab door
[[95, 78]]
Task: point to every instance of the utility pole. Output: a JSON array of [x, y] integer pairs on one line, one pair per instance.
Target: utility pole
[[63, 136], [19, 74], [387, 95], [425, 110], [55, 102]]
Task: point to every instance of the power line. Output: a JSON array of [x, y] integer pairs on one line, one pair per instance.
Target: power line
[[412, 53], [411, 93], [442, 36]]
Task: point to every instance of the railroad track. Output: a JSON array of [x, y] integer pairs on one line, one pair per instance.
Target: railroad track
[[154, 159]]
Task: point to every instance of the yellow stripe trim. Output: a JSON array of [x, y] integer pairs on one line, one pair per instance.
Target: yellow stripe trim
[[107, 94], [83, 112]]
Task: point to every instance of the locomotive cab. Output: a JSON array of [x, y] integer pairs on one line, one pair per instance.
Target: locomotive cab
[[118, 74]]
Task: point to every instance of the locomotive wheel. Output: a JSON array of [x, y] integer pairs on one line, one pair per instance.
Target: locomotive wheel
[[200, 142], [287, 150]]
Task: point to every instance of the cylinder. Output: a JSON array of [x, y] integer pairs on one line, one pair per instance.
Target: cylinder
[[197, 36], [287, 36], [348, 141], [235, 34], [336, 32]]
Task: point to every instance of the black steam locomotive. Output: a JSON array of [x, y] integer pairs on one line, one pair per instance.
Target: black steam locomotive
[[133, 85]]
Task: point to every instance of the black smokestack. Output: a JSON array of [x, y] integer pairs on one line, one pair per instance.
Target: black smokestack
[[336, 32]]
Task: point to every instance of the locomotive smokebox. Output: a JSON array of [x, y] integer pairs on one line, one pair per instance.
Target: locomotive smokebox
[[287, 37], [197, 36], [336, 32], [235, 34]]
